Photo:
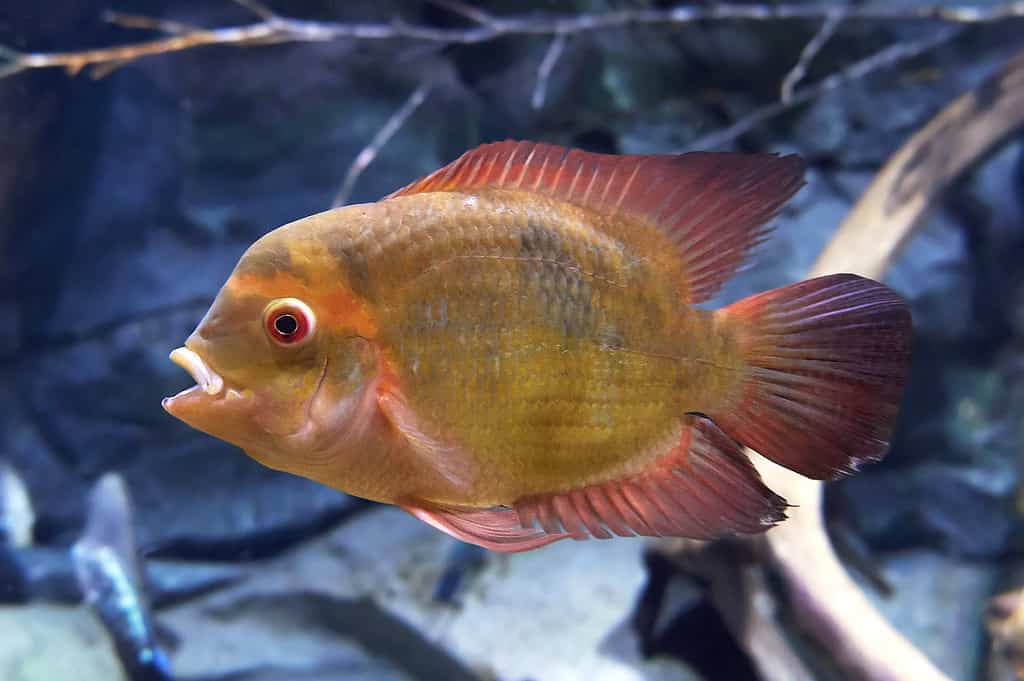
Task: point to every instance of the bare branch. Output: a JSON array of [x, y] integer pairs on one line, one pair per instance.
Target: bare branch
[[147, 23], [890, 56], [829, 605], [259, 9], [11, 62], [547, 65], [464, 9], [275, 28], [365, 157], [811, 49]]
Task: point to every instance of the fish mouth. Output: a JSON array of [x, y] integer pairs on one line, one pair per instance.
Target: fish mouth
[[207, 380]]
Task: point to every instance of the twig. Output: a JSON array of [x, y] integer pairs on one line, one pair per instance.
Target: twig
[[369, 153], [464, 9], [276, 28], [811, 49], [547, 65], [890, 56], [259, 9], [147, 23], [829, 605]]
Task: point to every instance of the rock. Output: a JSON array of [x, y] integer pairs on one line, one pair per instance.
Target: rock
[[46, 642], [863, 123], [544, 615], [950, 508], [939, 604], [48, 575], [168, 582]]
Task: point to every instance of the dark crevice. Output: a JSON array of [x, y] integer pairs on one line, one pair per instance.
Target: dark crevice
[[256, 545]]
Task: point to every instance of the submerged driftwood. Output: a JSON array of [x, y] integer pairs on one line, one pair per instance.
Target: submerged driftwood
[[826, 603]]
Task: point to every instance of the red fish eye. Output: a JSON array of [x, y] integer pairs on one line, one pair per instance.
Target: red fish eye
[[288, 321]]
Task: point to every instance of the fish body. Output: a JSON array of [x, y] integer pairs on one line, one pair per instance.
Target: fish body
[[107, 569], [517, 327], [510, 349]]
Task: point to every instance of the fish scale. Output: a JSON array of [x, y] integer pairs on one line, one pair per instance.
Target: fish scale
[[589, 369]]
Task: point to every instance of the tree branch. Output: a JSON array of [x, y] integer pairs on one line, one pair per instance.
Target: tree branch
[[811, 49], [547, 65], [365, 157], [274, 28], [890, 56]]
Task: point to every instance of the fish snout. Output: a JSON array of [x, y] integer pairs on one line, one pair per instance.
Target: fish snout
[[207, 380]]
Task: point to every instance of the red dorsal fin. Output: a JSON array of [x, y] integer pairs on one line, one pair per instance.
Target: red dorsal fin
[[703, 488], [712, 206]]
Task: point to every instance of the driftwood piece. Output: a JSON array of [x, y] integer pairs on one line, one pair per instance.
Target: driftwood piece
[[738, 588], [828, 604], [1004, 619]]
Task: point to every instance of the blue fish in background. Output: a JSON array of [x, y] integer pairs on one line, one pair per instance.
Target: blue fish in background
[[17, 517], [108, 572]]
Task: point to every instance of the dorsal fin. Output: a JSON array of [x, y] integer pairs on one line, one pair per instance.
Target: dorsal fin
[[712, 206]]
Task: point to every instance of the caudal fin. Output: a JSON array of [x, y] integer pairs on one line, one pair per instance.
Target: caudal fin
[[826, 362]]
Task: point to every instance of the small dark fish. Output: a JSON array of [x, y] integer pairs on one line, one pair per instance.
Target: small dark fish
[[108, 572]]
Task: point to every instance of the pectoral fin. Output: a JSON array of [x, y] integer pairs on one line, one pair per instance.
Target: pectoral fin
[[436, 453]]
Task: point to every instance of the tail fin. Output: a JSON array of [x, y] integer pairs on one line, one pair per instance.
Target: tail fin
[[826, 362]]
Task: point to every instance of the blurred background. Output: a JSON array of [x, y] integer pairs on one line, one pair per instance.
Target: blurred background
[[126, 200]]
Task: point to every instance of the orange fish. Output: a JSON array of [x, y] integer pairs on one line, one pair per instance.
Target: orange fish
[[509, 349]]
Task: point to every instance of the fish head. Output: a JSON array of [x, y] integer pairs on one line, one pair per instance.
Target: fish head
[[284, 359]]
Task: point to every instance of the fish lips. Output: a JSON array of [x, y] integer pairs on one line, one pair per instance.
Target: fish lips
[[209, 384]]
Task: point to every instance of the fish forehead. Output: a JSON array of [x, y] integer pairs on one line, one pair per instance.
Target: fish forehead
[[305, 259]]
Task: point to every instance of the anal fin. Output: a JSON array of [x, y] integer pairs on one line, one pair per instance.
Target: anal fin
[[704, 488]]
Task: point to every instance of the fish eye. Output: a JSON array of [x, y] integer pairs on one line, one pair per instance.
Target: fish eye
[[288, 321]]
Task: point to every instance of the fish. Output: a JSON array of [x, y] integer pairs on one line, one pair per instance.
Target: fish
[[108, 572], [17, 516], [513, 349]]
